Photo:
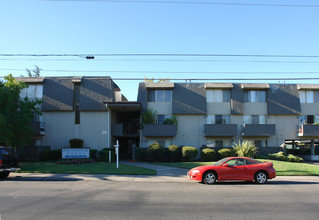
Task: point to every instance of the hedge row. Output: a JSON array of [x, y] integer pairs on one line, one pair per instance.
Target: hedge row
[[156, 152]]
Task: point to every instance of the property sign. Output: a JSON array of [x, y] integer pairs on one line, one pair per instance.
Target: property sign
[[70, 153]]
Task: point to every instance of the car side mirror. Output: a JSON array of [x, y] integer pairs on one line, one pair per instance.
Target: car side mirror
[[225, 165]]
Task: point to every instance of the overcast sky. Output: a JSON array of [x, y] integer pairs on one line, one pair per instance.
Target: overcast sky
[[165, 27]]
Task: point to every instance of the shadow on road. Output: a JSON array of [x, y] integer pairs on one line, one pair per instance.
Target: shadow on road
[[52, 178], [268, 183]]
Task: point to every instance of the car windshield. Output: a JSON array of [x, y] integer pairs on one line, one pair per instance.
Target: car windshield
[[220, 162]]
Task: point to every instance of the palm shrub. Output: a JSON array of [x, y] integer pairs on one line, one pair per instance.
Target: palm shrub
[[155, 152], [174, 152], [245, 148], [208, 154], [189, 153]]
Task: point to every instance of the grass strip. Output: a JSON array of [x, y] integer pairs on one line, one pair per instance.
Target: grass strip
[[282, 168], [87, 168]]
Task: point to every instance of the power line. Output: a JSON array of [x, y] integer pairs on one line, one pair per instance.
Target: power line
[[199, 3], [169, 60], [161, 54], [154, 71]]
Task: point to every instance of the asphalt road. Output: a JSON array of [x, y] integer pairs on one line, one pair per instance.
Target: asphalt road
[[103, 199]]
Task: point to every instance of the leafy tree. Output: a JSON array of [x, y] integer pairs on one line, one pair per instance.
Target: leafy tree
[[245, 148], [149, 117], [15, 113]]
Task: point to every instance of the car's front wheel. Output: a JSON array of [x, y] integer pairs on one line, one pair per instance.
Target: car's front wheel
[[210, 177], [4, 175], [261, 177]]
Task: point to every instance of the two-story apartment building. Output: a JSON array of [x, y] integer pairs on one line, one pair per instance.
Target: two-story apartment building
[[210, 114], [217, 114]]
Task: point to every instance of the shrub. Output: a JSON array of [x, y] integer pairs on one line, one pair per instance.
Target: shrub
[[76, 143], [284, 157], [245, 148], [292, 158], [93, 153], [226, 152], [174, 153], [51, 155], [171, 121], [278, 156], [208, 154], [189, 153], [103, 155], [155, 152], [140, 154]]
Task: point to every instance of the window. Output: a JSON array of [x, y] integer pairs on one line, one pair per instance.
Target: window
[[236, 162], [218, 119], [255, 96], [255, 119], [260, 143], [218, 143], [160, 95], [32, 92], [76, 103], [308, 119], [218, 95], [308, 96], [162, 118]]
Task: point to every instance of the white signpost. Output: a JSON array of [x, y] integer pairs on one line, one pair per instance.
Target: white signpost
[[117, 153]]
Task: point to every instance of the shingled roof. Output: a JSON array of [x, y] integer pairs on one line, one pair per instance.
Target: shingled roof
[[58, 92]]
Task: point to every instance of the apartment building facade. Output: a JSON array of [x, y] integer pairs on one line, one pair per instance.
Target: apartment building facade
[[81, 107], [208, 114], [218, 114]]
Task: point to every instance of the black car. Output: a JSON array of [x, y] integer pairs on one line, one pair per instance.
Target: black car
[[8, 162]]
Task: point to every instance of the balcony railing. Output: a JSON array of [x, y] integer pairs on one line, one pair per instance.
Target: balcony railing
[[220, 130], [259, 130], [162, 130], [119, 130], [308, 131]]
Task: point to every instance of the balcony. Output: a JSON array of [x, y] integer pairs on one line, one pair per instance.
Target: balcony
[[38, 127], [308, 131], [120, 130], [220, 130], [259, 130], [162, 130]]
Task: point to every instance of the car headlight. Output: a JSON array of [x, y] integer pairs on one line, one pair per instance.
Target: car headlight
[[195, 171]]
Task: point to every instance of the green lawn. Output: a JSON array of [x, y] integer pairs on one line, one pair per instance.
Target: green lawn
[[88, 168], [282, 168]]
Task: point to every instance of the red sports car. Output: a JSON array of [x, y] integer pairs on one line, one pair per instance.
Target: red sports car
[[234, 168]]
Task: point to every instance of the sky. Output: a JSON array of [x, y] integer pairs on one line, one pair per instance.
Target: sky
[[172, 31]]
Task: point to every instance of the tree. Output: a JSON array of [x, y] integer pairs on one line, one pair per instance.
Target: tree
[[36, 72], [15, 113]]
